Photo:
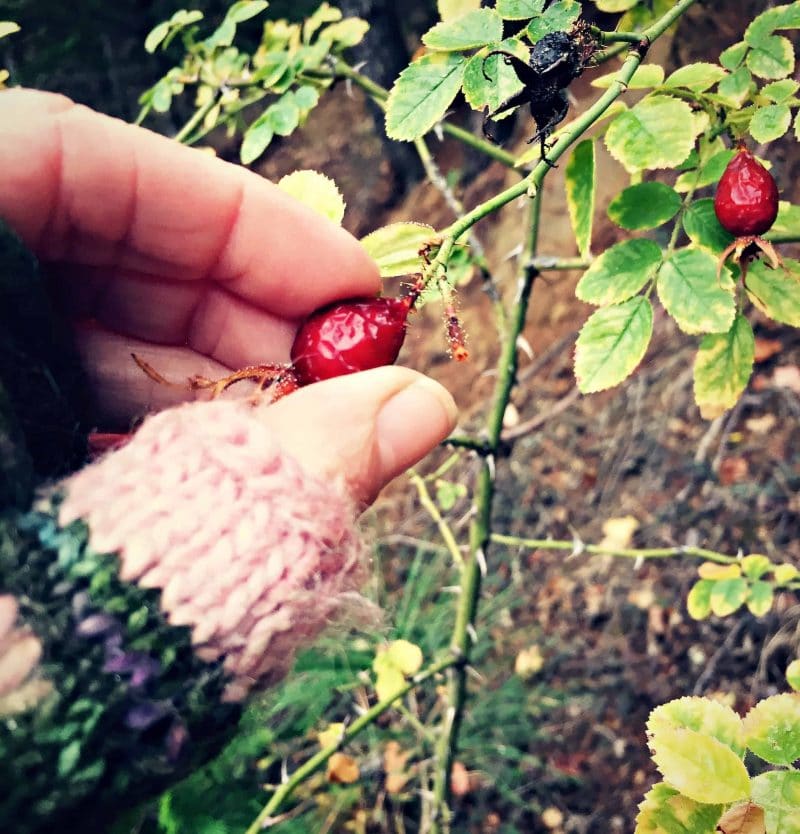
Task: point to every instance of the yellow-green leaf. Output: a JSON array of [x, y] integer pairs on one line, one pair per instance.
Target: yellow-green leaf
[[778, 793], [405, 656], [727, 596], [580, 184], [466, 32], [698, 601], [776, 292], [755, 565], [703, 715], [316, 191], [793, 674], [620, 272], [665, 811], [696, 77], [645, 77], [772, 57], [644, 205], [760, 598], [396, 248], [8, 27], [451, 9], [722, 369]]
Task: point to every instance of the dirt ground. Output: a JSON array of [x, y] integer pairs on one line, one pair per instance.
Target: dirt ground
[[640, 450]]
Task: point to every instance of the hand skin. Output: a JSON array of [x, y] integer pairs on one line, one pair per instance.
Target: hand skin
[[200, 267]]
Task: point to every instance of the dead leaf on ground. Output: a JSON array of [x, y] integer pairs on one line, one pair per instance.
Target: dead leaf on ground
[[394, 765], [787, 376], [618, 532], [767, 348], [460, 783], [528, 662], [761, 425], [733, 470], [342, 769]]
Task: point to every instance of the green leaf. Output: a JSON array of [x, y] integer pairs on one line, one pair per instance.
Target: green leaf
[[519, 9], [306, 97], [245, 9], [691, 293], [781, 92], [346, 33], [731, 57], [760, 598], [776, 292], [645, 77], [698, 600], [284, 115], [580, 185], [770, 122], [151, 42], [613, 6], [699, 766], [706, 174], [785, 573], [68, 758], [728, 595], [448, 494], [772, 729], [256, 138], [396, 248], [696, 77], [772, 57], [316, 191], [703, 715], [472, 30], [665, 811], [779, 17], [324, 14], [735, 89], [704, 230], [787, 223], [778, 793], [723, 368], [620, 272], [422, 94], [502, 81], [793, 674], [557, 17], [657, 133], [612, 343], [645, 205], [451, 9], [754, 566]]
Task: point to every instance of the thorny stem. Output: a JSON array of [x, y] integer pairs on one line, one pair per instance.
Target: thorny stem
[[480, 527], [195, 120], [311, 766], [579, 547]]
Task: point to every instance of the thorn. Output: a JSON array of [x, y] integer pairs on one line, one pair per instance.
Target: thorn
[[475, 674], [480, 558], [473, 635], [284, 771], [578, 547], [513, 253], [525, 346]]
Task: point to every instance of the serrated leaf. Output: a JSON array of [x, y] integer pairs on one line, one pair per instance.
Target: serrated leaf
[[776, 292], [699, 766], [698, 600], [704, 230], [451, 9], [692, 294], [645, 205], [645, 77], [519, 9], [785, 16], [787, 223], [755, 565], [467, 32], [713, 570], [557, 17], [580, 185], [325, 13], [760, 598], [703, 715], [781, 91], [316, 191], [422, 94], [731, 57], [657, 133], [256, 139], [772, 57], [620, 272], [696, 77], [612, 343], [727, 596], [665, 811], [793, 674], [770, 122], [778, 793], [502, 82], [735, 89], [723, 368], [396, 248], [706, 174]]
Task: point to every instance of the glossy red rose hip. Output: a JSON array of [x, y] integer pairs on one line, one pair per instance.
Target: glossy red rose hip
[[746, 203], [349, 336]]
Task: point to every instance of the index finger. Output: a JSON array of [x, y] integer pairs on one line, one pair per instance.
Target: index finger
[[81, 187]]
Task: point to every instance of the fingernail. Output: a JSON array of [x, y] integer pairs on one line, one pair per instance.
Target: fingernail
[[424, 411]]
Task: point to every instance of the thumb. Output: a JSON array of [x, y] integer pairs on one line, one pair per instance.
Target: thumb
[[363, 429]]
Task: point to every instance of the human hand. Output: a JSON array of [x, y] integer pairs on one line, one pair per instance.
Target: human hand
[[200, 267]]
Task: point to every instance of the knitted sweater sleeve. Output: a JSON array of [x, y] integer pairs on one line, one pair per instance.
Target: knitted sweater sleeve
[[143, 597]]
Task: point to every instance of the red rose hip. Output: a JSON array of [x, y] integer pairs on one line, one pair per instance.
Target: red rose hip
[[746, 203], [349, 336]]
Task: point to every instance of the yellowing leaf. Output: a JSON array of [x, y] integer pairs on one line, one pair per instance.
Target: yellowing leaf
[[316, 191], [785, 574], [388, 683], [394, 766], [793, 674], [711, 570], [529, 661], [342, 769], [405, 656], [331, 735], [618, 532], [745, 818], [451, 9]]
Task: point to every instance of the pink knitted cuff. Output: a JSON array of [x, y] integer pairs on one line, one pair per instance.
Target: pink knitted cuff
[[251, 552]]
